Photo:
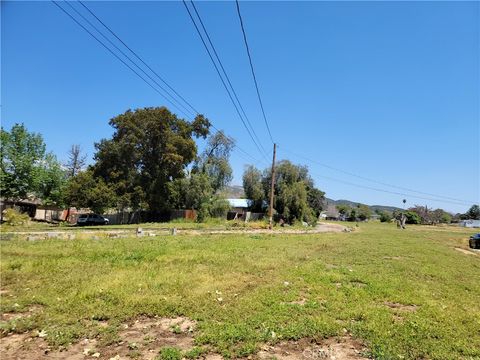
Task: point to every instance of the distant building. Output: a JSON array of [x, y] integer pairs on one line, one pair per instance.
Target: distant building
[[239, 205], [331, 213], [470, 223]]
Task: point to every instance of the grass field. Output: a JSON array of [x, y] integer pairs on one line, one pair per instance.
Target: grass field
[[405, 294]]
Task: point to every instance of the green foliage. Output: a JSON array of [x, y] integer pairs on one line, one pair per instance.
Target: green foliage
[[150, 148], [170, 353], [26, 169], [293, 189], [344, 210], [413, 217], [473, 213], [253, 188], [14, 218], [385, 216], [21, 153], [86, 191], [214, 161], [363, 212]]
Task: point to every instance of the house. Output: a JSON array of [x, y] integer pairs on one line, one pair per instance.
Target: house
[[331, 213], [470, 223], [239, 205], [240, 211]]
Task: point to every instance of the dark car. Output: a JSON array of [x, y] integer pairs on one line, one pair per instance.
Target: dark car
[[475, 241], [91, 219]]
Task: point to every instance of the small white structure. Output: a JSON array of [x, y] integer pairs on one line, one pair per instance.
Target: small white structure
[[470, 223]]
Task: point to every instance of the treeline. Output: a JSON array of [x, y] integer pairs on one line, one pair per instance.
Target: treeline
[[150, 165], [295, 196]]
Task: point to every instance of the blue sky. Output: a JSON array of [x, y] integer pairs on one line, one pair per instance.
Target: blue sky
[[386, 90]]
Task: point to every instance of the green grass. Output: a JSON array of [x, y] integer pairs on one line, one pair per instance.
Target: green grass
[[344, 279]]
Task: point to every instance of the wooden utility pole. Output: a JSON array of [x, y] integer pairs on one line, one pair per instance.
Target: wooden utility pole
[[273, 186]]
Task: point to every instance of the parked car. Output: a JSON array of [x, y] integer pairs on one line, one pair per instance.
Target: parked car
[[475, 241], [91, 219]]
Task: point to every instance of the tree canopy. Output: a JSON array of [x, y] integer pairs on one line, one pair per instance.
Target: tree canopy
[[27, 169], [295, 196], [150, 148]]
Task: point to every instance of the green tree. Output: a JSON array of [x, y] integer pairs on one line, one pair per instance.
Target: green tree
[[385, 216], [52, 180], [86, 191], [26, 169], [252, 186], [363, 212], [315, 199], [150, 148], [21, 153], [214, 160], [473, 212]]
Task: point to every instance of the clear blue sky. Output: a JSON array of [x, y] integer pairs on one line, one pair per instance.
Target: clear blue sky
[[385, 90]]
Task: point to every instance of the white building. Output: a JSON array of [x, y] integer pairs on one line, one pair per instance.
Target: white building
[[470, 223]]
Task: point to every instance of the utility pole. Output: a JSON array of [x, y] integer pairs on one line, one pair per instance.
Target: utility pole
[[273, 186]]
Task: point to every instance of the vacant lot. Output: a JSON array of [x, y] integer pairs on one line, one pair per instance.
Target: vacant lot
[[376, 292]]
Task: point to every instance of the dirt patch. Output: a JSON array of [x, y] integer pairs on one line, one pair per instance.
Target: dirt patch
[[357, 283], [393, 257], [301, 302], [401, 307], [9, 316], [141, 338], [343, 348], [466, 251]]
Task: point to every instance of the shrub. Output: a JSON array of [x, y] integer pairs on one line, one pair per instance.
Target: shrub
[[14, 218], [169, 353], [385, 217]]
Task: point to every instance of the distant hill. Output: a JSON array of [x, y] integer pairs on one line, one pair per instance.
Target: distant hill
[[236, 192], [354, 204]]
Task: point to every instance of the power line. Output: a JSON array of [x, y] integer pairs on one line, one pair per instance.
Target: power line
[[386, 191], [137, 56], [253, 71], [133, 70], [261, 150], [128, 57], [448, 199], [116, 56], [225, 73]]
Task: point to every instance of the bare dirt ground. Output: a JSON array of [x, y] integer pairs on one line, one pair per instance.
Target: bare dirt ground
[[467, 251], [343, 348], [144, 337]]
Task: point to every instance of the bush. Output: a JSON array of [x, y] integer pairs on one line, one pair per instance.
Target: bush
[[385, 217], [169, 353], [14, 218]]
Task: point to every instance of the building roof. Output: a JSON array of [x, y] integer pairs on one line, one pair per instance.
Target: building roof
[[239, 203]]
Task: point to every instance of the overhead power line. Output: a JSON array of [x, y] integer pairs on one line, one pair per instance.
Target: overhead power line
[[133, 70], [138, 57], [116, 56], [250, 133], [253, 71], [440, 197]]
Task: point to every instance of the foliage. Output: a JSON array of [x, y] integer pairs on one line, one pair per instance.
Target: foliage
[[169, 353], [473, 213], [344, 210], [14, 218], [413, 217], [253, 188], [214, 161], [385, 216], [26, 169], [293, 186], [316, 200], [150, 148], [363, 212], [86, 191]]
